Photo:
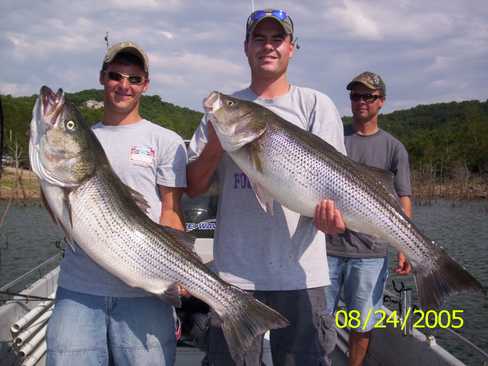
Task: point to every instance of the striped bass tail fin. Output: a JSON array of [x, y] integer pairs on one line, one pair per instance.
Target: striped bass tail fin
[[253, 320], [446, 278]]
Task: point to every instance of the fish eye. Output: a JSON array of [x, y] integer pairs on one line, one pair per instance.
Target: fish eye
[[230, 103], [70, 125]]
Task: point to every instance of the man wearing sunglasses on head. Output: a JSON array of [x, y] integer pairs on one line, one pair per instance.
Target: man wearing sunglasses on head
[[98, 319], [256, 251], [357, 262]]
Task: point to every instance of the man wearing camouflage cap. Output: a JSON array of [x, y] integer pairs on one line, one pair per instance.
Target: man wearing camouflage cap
[[358, 262]]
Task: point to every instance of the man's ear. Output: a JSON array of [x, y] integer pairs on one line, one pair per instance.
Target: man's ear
[[146, 86], [292, 46]]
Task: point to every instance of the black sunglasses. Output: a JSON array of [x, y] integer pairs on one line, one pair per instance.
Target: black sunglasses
[[118, 76], [368, 98]]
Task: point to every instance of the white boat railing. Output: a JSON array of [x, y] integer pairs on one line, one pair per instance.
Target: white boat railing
[[10, 289], [28, 332]]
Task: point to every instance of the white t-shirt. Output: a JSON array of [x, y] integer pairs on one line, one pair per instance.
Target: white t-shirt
[[143, 155], [252, 249]]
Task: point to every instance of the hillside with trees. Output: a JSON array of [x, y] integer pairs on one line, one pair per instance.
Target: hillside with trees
[[447, 142]]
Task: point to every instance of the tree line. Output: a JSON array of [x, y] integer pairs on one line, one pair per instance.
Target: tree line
[[444, 140]]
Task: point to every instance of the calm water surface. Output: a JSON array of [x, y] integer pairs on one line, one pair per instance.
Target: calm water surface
[[28, 238]]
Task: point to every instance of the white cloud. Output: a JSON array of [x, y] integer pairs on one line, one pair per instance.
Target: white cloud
[[196, 62], [167, 35], [356, 20], [426, 51], [145, 4]]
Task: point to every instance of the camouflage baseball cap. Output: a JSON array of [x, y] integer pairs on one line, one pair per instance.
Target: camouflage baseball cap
[[128, 47], [280, 16], [369, 80]]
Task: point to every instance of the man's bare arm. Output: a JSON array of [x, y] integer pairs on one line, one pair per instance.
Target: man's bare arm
[[199, 172]]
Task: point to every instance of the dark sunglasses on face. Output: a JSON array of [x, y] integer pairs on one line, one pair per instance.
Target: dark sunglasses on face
[[118, 76], [368, 98]]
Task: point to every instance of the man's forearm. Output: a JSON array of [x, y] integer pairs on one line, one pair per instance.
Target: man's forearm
[[200, 171], [172, 219], [406, 204]]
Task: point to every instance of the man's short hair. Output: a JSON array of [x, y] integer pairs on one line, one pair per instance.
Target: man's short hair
[[127, 53]]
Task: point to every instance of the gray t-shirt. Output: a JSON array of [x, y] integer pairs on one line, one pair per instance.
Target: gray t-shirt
[[143, 155], [380, 150], [252, 249]]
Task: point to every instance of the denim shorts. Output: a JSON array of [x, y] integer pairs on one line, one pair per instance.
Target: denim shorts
[[362, 281], [97, 330]]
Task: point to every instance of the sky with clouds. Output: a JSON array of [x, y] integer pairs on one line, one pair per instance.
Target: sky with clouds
[[426, 51]]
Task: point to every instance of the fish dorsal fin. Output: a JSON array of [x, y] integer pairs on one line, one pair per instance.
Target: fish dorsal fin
[[180, 236], [385, 177], [139, 199]]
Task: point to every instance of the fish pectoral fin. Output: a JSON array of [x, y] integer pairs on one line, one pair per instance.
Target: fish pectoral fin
[[139, 199], [264, 198], [67, 206], [48, 208]]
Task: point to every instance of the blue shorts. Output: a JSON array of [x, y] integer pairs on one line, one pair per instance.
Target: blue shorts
[[363, 282], [97, 330]]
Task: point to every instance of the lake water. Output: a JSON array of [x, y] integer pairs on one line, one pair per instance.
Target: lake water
[[28, 237]]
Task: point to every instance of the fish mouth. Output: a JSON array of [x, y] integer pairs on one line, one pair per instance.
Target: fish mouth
[[52, 105], [212, 103]]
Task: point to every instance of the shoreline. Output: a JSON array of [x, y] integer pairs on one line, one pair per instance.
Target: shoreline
[[22, 185]]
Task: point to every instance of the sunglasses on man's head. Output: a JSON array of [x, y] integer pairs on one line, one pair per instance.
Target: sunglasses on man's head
[[118, 76], [368, 98], [259, 14]]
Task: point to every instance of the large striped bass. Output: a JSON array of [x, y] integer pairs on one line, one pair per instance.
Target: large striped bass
[[98, 212], [298, 169]]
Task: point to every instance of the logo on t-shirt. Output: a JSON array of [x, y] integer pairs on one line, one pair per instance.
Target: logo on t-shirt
[[142, 155], [241, 181]]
